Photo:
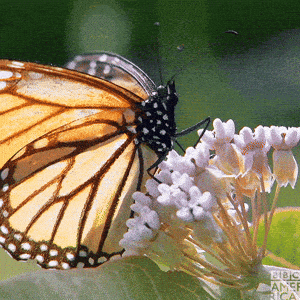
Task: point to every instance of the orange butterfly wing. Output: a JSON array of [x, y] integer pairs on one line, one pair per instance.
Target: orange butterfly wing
[[36, 99], [65, 196]]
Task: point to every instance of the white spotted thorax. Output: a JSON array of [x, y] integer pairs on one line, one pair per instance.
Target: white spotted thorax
[[157, 126], [197, 206]]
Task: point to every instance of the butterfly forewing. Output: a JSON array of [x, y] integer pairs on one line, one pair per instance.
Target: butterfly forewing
[[35, 99]]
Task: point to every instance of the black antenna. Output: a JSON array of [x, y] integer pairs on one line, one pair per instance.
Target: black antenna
[[158, 58], [180, 48]]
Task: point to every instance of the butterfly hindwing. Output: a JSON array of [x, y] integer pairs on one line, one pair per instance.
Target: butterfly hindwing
[[82, 190], [116, 69]]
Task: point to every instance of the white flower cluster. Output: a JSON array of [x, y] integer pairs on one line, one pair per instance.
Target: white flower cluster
[[196, 203]]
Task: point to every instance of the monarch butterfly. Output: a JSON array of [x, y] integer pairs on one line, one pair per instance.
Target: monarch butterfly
[[74, 148]]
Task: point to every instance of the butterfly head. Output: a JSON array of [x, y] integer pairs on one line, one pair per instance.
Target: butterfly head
[[167, 94]]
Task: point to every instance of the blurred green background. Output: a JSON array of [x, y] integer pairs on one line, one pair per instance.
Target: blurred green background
[[252, 78]]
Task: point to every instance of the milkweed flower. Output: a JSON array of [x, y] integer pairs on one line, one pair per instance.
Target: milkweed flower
[[285, 167], [194, 216]]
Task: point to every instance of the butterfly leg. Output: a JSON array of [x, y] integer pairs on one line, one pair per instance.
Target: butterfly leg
[[155, 165], [195, 127]]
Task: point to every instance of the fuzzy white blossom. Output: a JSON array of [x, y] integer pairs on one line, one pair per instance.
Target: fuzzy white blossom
[[285, 167], [195, 211]]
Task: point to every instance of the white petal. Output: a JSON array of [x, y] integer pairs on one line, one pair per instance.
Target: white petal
[[292, 138], [230, 129], [247, 135], [275, 136], [260, 134], [208, 138], [239, 141], [219, 129]]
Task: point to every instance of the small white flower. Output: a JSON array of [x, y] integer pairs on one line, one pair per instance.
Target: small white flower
[[254, 147], [285, 167], [175, 162], [223, 133], [227, 158]]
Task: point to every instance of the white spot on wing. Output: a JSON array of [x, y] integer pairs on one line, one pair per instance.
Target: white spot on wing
[[70, 256], [26, 246], [80, 265], [6, 74], [91, 261], [101, 260], [93, 64], [103, 58], [53, 252], [44, 247], [106, 70], [39, 258], [25, 256], [4, 173], [12, 247], [18, 236], [82, 253], [4, 229], [53, 263], [78, 58], [5, 187], [65, 266], [131, 129], [92, 71], [72, 65], [3, 85], [16, 64]]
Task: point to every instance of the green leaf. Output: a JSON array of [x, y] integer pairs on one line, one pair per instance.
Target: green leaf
[[129, 278], [283, 238]]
